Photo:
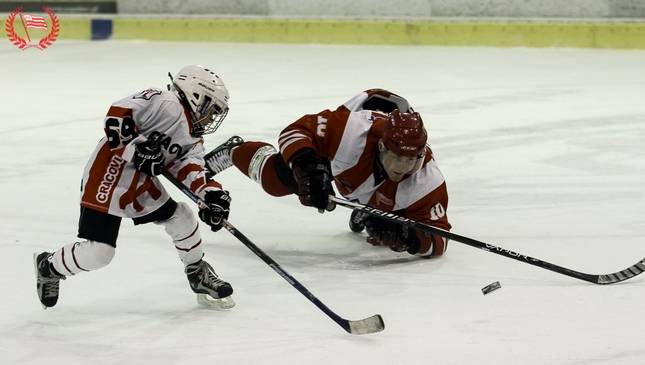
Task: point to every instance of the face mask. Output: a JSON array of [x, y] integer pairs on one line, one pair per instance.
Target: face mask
[[211, 116]]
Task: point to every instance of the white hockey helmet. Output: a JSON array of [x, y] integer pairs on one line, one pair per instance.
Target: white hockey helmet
[[206, 95]]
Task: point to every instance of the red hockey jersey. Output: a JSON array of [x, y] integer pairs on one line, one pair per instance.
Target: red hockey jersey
[[348, 138]]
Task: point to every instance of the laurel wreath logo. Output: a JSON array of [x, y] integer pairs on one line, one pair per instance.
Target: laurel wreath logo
[[11, 33], [53, 33], [44, 42]]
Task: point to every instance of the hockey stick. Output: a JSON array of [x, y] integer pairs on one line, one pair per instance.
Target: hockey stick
[[602, 279], [359, 327]]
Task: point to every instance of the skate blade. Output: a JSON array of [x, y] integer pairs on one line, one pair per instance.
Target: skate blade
[[215, 304], [35, 256]]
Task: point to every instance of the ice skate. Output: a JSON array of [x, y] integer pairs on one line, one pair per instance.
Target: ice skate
[[219, 159], [47, 281], [212, 292]]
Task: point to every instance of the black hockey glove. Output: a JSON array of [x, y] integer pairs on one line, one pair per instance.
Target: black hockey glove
[[148, 157], [356, 221], [313, 177], [217, 209], [396, 236]]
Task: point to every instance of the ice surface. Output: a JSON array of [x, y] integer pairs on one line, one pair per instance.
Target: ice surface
[[542, 150]]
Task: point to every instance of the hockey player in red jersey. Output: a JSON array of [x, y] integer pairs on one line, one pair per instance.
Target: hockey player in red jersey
[[374, 149], [145, 133]]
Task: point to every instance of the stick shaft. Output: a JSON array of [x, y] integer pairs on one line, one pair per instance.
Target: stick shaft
[[603, 279], [364, 326]]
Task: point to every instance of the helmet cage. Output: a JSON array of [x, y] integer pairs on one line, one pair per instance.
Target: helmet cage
[[209, 116]]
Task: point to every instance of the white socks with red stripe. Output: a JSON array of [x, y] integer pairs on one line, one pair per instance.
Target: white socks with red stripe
[[81, 256]]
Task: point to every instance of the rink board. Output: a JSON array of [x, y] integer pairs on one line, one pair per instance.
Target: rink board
[[497, 33]]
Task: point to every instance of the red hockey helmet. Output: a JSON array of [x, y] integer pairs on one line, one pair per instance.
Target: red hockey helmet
[[404, 134]]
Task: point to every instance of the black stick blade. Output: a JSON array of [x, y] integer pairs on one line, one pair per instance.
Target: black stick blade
[[365, 326], [619, 276]]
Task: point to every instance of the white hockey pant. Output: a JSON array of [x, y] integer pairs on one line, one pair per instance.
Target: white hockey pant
[[183, 228]]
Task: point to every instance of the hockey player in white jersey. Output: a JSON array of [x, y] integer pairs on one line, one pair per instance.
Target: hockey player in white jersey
[[146, 133]]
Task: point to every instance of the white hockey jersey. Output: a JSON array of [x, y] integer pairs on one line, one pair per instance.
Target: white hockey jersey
[[111, 183]]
